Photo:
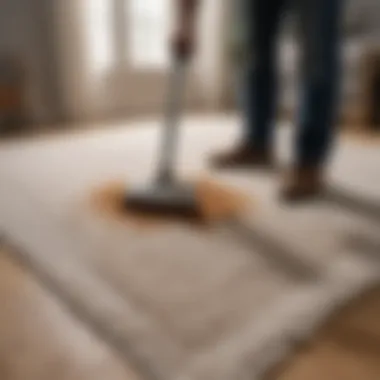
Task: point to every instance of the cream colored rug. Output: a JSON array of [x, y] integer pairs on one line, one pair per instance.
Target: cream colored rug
[[183, 301]]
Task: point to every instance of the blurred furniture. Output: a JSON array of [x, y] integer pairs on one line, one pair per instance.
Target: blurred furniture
[[371, 88], [11, 95]]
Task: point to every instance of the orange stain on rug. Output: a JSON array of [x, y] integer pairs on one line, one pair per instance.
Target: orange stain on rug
[[216, 203]]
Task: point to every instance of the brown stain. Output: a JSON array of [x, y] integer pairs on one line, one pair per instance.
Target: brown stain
[[216, 203]]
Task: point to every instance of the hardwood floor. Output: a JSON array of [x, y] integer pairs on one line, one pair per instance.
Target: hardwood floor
[[39, 340], [347, 348]]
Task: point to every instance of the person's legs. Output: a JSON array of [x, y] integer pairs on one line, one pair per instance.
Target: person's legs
[[320, 44], [258, 84], [320, 32], [260, 79]]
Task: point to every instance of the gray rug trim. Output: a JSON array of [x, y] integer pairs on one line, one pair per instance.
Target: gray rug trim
[[367, 209], [253, 236]]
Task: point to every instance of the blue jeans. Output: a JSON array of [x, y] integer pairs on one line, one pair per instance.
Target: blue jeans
[[319, 35]]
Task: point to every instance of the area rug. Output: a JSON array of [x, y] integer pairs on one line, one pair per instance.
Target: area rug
[[181, 302]]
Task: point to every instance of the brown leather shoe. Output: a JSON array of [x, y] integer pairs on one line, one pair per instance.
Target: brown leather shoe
[[302, 184], [243, 156]]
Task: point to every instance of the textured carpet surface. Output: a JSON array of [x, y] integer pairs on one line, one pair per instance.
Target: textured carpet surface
[[183, 302]]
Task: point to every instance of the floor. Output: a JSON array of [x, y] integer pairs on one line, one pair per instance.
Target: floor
[[40, 338], [348, 348]]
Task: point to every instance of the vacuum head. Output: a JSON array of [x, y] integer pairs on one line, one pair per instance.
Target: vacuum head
[[164, 199]]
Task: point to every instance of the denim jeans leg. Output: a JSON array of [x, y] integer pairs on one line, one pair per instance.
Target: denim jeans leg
[[320, 46]]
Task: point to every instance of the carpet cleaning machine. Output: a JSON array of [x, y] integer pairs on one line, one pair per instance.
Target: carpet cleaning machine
[[167, 195]]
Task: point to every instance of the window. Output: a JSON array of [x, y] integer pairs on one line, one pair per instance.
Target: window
[[98, 25], [149, 23], [145, 28]]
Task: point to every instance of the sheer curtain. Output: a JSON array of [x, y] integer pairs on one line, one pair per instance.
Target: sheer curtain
[[112, 48], [126, 41], [149, 28], [98, 29], [146, 26]]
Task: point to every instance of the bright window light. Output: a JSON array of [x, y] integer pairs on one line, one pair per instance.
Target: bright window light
[[98, 16], [148, 31]]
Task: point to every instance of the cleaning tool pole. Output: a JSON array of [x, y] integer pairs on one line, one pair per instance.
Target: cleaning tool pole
[[171, 123]]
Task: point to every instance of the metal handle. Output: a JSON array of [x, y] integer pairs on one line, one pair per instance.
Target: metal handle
[[172, 115]]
